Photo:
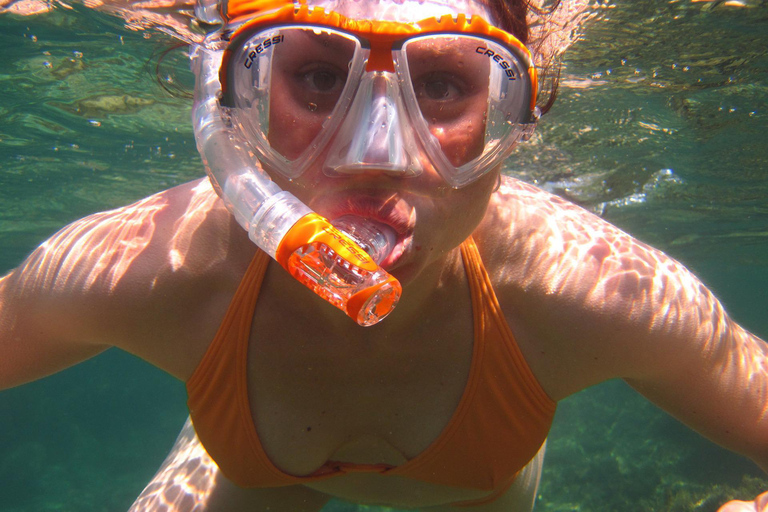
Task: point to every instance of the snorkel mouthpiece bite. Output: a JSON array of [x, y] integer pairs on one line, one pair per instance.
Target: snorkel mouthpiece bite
[[335, 267]]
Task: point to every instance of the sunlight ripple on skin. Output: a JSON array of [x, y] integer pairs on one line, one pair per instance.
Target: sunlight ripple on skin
[[648, 286], [29, 7], [112, 240], [200, 204], [185, 480], [759, 505]]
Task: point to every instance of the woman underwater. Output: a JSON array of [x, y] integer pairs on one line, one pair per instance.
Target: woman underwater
[[512, 299]]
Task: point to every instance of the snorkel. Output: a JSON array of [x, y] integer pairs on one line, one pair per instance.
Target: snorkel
[[336, 266]]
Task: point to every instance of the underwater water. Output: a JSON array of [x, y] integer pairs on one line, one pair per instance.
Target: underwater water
[[660, 126]]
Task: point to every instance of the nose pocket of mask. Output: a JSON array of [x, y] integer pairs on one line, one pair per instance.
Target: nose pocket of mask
[[375, 136]]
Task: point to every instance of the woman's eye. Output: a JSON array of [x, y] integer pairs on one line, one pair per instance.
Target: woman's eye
[[323, 80], [438, 87]]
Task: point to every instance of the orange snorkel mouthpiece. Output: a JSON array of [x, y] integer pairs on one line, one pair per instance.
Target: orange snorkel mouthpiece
[[336, 268]]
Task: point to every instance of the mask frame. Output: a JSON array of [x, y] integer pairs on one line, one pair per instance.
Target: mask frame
[[380, 41]]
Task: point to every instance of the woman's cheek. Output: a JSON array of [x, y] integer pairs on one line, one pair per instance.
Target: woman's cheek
[[292, 127], [463, 141]]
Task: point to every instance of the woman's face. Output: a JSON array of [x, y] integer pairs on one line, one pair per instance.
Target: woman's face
[[450, 86]]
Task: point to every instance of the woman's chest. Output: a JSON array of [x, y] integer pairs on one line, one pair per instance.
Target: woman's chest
[[314, 399]]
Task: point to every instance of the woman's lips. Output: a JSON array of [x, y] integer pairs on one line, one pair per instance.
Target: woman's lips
[[388, 209], [401, 246]]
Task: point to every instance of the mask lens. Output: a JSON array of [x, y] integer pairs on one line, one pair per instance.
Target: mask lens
[[287, 83], [472, 94]]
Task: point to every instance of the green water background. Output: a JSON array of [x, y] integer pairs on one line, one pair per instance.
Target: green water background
[[661, 126]]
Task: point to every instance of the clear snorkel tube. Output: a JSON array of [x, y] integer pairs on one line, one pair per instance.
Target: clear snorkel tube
[[330, 262]]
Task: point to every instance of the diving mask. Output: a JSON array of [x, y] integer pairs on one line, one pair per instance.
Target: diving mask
[[304, 85]]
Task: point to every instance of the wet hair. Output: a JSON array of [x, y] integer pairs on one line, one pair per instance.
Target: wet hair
[[165, 70], [513, 16]]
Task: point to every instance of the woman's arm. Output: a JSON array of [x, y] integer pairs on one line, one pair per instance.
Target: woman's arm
[[36, 338], [59, 306], [712, 376], [591, 303], [760, 504], [153, 278]]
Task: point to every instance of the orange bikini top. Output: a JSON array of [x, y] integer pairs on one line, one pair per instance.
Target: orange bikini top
[[502, 420]]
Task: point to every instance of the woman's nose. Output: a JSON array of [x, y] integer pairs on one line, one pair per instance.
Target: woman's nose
[[376, 135]]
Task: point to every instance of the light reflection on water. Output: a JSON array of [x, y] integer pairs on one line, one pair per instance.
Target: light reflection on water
[[657, 86], [660, 126]]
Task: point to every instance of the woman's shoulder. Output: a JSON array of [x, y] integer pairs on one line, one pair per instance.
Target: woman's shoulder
[[582, 295], [183, 230], [144, 273], [171, 249], [536, 241], [193, 231], [525, 224], [519, 205]]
